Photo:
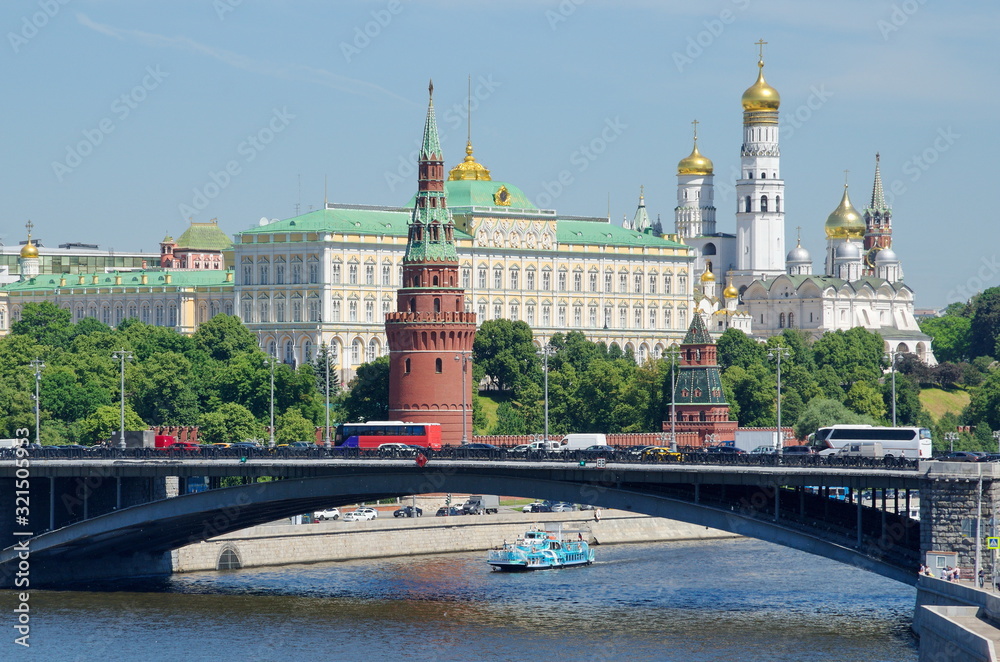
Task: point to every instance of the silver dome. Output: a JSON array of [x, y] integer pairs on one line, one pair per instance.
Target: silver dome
[[848, 251], [798, 254], [886, 255]]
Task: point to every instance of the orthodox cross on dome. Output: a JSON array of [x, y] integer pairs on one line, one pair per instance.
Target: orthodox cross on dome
[[30, 226], [642, 191], [695, 123], [846, 173], [761, 44], [798, 234], [430, 87]]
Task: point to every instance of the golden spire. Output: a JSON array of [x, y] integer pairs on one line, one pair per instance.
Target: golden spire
[[760, 95], [468, 169], [695, 163], [845, 222], [29, 250]]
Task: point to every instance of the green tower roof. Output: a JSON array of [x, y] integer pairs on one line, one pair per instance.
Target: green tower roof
[[697, 334]]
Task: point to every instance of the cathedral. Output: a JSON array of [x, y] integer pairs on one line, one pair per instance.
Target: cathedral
[[861, 283]]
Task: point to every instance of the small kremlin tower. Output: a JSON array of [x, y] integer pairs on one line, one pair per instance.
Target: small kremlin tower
[[430, 335]]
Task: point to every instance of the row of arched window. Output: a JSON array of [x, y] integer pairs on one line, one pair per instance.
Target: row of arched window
[[748, 206]]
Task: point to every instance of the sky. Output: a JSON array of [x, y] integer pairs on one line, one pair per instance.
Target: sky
[[123, 119]]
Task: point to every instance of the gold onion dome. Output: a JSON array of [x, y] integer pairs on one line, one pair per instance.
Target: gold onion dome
[[29, 249], [708, 276], [730, 292], [845, 222], [760, 95], [469, 169], [695, 163]]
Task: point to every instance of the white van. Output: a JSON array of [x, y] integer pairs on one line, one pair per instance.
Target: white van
[[872, 449], [579, 441]]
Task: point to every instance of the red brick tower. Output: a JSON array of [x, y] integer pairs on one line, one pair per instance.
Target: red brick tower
[[430, 334], [698, 399], [878, 223]]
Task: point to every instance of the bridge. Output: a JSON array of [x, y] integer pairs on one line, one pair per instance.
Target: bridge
[[105, 517]]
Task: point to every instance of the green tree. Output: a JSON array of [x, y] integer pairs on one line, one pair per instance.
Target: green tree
[[735, 348], [69, 398], [505, 351], [908, 406], [984, 405], [754, 392], [229, 423], [855, 355], [508, 421], [821, 412], [293, 426], [865, 399], [951, 335], [105, 421], [984, 329], [368, 399], [224, 337], [43, 322], [162, 389]]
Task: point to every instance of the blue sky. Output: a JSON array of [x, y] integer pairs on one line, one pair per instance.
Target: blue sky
[[122, 118]]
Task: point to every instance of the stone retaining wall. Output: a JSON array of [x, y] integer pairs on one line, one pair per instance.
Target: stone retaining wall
[[340, 541]]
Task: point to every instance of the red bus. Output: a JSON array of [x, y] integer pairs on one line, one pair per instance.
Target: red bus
[[375, 433]]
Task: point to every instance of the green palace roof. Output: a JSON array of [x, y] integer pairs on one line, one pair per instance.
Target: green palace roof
[[597, 232], [204, 236], [180, 278], [476, 193]]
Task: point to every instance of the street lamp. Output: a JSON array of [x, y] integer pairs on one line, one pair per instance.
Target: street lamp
[[269, 361], [122, 355], [326, 430], [546, 351], [892, 355], [674, 353], [951, 438], [996, 438], [464, 358], [776, 354], [37, 365]]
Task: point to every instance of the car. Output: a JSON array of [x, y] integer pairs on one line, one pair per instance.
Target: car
[[448, 511], [246, 445], [302, 444], [724, 450], [563, 507], [219, 445], [639, 450], [764, 450], [799, 450], [598, 449], [409, 511], [537, 507], [329, 513], [182, 446], [361, 515], [961, 456], [396, 450], [990, 457], [660, 454]]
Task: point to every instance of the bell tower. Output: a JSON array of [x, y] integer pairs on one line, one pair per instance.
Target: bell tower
[[430, 335]]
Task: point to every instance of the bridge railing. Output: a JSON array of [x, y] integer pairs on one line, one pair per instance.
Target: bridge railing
[[628, 455]]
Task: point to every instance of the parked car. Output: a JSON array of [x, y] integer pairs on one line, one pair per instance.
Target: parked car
[[598, 449], [961, 456], [799, 450], [563, 507], [361, 514], [476, 450], [537, 507], [660, 454], [450, 511], [329, 513], [764, 450], [724, 450], [397, 450], [409, 511], [182, 446], [246, 445]]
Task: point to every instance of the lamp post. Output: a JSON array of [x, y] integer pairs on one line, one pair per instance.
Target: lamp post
[[269, 361], [892, 355], [776, 355], [464, 358], [545, 351], [996, 438], [674, 353], [37, 365], [326, 429], [122, 355], [951, 438]]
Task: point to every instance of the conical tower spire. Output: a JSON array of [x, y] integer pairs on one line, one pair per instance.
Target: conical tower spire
[[640, 222], [878, 196], [430, 149]]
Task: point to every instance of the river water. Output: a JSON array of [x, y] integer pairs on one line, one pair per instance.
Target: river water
[[732, 600]]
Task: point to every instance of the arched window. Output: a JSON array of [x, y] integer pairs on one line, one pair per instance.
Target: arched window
[[437, 366], [763, 175], [435, 281], [763, 203], [777, 203], [747, 204], [437, 305], [791, 320], [289, 352], [781, 321], [407, 368], [413, 305], [372, 350]]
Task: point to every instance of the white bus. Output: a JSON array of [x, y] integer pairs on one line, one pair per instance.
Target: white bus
[[911, 443]]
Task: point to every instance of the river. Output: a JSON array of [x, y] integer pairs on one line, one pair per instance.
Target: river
[[732, 600]]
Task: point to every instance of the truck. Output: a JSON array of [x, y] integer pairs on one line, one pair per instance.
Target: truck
[[579, 441], [481, 504]]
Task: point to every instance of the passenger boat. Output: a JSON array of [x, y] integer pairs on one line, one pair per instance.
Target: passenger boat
[[542, 550]]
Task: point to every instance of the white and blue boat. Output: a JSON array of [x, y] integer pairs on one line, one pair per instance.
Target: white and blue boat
[[542, 550]]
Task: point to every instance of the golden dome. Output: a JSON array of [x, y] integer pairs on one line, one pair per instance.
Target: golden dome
[[845, 222], [29, 250], [695, 163], [469, 169], [760, 95], [731, 292], [708, 276]]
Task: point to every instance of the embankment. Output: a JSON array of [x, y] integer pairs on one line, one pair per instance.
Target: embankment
[[340, 541]]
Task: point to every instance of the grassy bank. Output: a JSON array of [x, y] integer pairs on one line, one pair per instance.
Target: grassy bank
[[938, 401]]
